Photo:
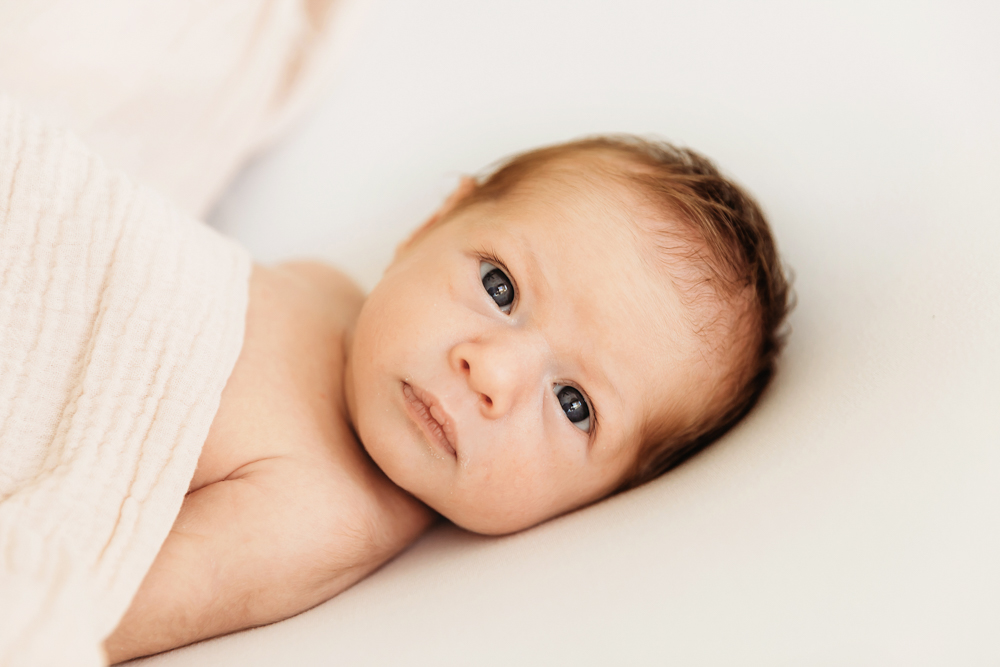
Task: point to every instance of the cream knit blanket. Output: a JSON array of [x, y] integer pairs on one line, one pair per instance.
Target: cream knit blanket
[[120, 321]]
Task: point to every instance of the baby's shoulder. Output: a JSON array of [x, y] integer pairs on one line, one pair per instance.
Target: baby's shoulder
[[327, 282], [285, 392]]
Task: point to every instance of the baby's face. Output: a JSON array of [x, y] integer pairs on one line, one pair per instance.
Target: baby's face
[[503, 367]]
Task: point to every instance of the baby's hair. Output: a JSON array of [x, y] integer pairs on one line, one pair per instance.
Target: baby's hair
[[722, 258]]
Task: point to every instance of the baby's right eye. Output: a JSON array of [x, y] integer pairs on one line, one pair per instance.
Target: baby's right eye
[[497, 285]]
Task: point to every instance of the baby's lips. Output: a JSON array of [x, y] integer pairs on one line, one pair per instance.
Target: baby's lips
[[440, 416], [447, 425], [436, 420]]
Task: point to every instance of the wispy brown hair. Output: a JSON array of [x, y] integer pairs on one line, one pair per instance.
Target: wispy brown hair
[[725, 233]]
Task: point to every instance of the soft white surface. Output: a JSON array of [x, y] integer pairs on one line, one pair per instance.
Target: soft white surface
[[853, 518]]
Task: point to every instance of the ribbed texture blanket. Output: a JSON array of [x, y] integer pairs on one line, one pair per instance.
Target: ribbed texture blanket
[[120, 321]]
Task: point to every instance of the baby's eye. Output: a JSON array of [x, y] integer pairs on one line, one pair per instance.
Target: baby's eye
[[575, 406], [497, 285]]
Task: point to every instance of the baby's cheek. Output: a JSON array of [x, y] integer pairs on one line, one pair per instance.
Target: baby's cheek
[[524, 485]]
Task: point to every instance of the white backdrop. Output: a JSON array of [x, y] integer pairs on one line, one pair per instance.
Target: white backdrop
[[854, 518]]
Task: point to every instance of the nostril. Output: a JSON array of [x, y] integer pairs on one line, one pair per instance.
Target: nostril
[[465, 365], [487, 400]]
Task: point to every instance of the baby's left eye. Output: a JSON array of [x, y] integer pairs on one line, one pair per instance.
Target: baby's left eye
[[575, 406], [497, 285]]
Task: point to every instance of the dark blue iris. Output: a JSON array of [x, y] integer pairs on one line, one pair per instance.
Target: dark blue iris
[[572, 403], [498, 286]]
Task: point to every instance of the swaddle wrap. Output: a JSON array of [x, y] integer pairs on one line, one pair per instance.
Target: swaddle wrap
[[120, 321]]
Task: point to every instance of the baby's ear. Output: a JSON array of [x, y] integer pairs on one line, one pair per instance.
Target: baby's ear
[[466, 186]]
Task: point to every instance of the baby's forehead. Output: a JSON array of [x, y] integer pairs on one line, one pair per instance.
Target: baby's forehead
[[583, 173], [599, 187], [595, 187]]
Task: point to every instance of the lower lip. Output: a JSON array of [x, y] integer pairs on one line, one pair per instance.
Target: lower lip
[[421, 414]]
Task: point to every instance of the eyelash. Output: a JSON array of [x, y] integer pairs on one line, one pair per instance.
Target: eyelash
[[489, 255]]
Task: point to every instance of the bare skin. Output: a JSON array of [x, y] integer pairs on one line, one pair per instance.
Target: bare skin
[[285, 509]]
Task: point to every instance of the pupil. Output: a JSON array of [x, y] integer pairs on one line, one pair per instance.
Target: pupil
[[573, 404], [498, 287]]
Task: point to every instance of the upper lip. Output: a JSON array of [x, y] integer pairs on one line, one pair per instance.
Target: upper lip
[[431, 416]]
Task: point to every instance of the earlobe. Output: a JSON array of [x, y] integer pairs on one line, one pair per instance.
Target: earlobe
[[466, 186]]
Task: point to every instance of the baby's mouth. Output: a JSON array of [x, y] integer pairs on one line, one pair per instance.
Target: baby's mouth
[[431, 417]]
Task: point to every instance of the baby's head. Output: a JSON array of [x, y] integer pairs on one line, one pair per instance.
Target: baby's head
[[577, 323]]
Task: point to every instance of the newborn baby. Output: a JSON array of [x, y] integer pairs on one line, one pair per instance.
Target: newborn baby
[[579, 322]]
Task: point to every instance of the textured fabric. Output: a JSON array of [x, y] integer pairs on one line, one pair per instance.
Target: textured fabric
[[176, 94], [120, 321]]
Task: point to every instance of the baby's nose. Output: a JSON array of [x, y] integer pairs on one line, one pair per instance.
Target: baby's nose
[[501, 374]]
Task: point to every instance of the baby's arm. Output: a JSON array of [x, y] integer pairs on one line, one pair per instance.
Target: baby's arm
[[246, 551]]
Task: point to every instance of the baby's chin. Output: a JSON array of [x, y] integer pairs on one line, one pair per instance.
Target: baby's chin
[[486, 521], [481, 513], [488, 525]]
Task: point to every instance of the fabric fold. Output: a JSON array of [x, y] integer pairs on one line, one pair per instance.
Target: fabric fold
[[177, 94]]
